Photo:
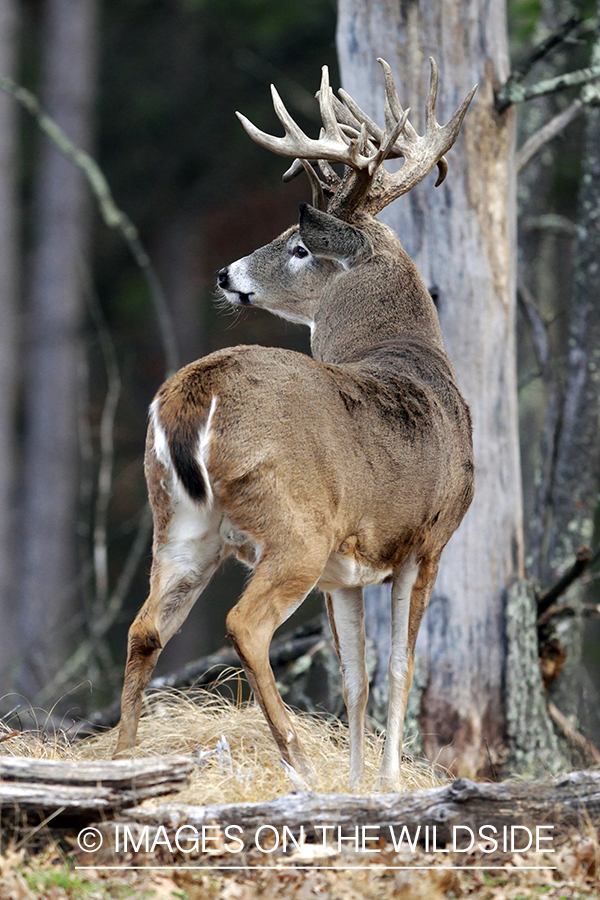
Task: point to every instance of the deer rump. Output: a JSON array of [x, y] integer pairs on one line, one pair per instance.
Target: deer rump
[[279, 446]]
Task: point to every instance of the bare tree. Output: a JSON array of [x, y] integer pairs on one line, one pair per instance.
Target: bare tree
[[463, 240], [61, 235], [574, 465], [9, 355]]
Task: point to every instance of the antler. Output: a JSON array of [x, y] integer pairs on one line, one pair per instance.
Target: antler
[[350, 137]]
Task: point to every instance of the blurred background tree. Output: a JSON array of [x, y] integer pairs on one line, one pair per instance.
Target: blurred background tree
[[165, 79], [150, 87]]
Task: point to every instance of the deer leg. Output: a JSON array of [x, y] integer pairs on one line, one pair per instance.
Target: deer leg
[[174, 588], [411, 591], [271, 597], [346, 615]]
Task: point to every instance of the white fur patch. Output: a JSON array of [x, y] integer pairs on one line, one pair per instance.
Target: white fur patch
[[204, 437], [163, 453], [290, 317], [239, 279], [161, 447], [346, 571]]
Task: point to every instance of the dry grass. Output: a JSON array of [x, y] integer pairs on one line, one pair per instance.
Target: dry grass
[[243, 767]]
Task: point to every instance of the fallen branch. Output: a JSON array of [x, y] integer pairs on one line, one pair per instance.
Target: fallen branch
[[561, 802], [87, 789], [574, 737], [207, 670], [547, 598]]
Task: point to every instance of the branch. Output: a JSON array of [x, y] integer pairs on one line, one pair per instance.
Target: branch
[[113, 216], [542, 49], [551, 419], [568, 611], [548, 131], [85, 788], [105, 468], [537, 325], [574, 737], [517, 93], [80, 657], [583, 560]]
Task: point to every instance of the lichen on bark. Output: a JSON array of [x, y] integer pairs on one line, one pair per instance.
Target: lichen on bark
[[534, 748]]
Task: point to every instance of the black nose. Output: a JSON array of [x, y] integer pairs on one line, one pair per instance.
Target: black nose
[[223, 278]]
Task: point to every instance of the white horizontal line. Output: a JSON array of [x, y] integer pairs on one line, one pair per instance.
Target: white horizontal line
[[337, 868]]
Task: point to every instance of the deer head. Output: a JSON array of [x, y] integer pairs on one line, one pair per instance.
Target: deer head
[[351, 468], [337, 250]]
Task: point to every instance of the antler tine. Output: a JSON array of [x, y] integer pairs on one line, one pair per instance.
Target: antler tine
[[360, 117], [388, 145], [393, 108], [331, 177], [295, 169], [456, 121], [285, 146], [290, 127], [328, 117], [430, 119], [328, 172], [318, 196]]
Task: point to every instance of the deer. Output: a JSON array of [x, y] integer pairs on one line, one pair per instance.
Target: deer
[[347, 468]]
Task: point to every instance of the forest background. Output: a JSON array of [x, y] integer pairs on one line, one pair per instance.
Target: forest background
[[150, 89]]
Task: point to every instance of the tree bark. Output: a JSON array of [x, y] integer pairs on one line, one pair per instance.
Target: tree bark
[[540, 248], [462, 237], [9, 350], [61, 235], [574, 492]]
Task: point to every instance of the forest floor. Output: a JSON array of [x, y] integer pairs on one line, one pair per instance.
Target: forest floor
[[573, 874], [237, 762]]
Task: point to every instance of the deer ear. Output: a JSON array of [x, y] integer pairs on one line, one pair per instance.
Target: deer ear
[[326, 236]]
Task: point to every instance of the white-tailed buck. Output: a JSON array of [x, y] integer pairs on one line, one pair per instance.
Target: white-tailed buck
[[348, 469]]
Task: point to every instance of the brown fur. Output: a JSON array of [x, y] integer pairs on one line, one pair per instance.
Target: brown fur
[[361, 455]]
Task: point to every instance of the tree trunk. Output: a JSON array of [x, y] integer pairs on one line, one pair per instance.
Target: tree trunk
[[61, 234], [545, 257], [9, 355], [462, 237], [573, 497]]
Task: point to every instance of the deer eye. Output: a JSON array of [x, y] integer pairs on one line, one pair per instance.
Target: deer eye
[[299, 252]]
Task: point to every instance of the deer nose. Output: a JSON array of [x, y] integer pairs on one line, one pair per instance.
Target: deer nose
[[223, 277]]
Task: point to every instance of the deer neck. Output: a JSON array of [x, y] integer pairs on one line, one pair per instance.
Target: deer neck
[[380, 301]]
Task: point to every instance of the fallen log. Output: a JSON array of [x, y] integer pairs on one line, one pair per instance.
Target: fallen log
[[87, 788], [563, 802]]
